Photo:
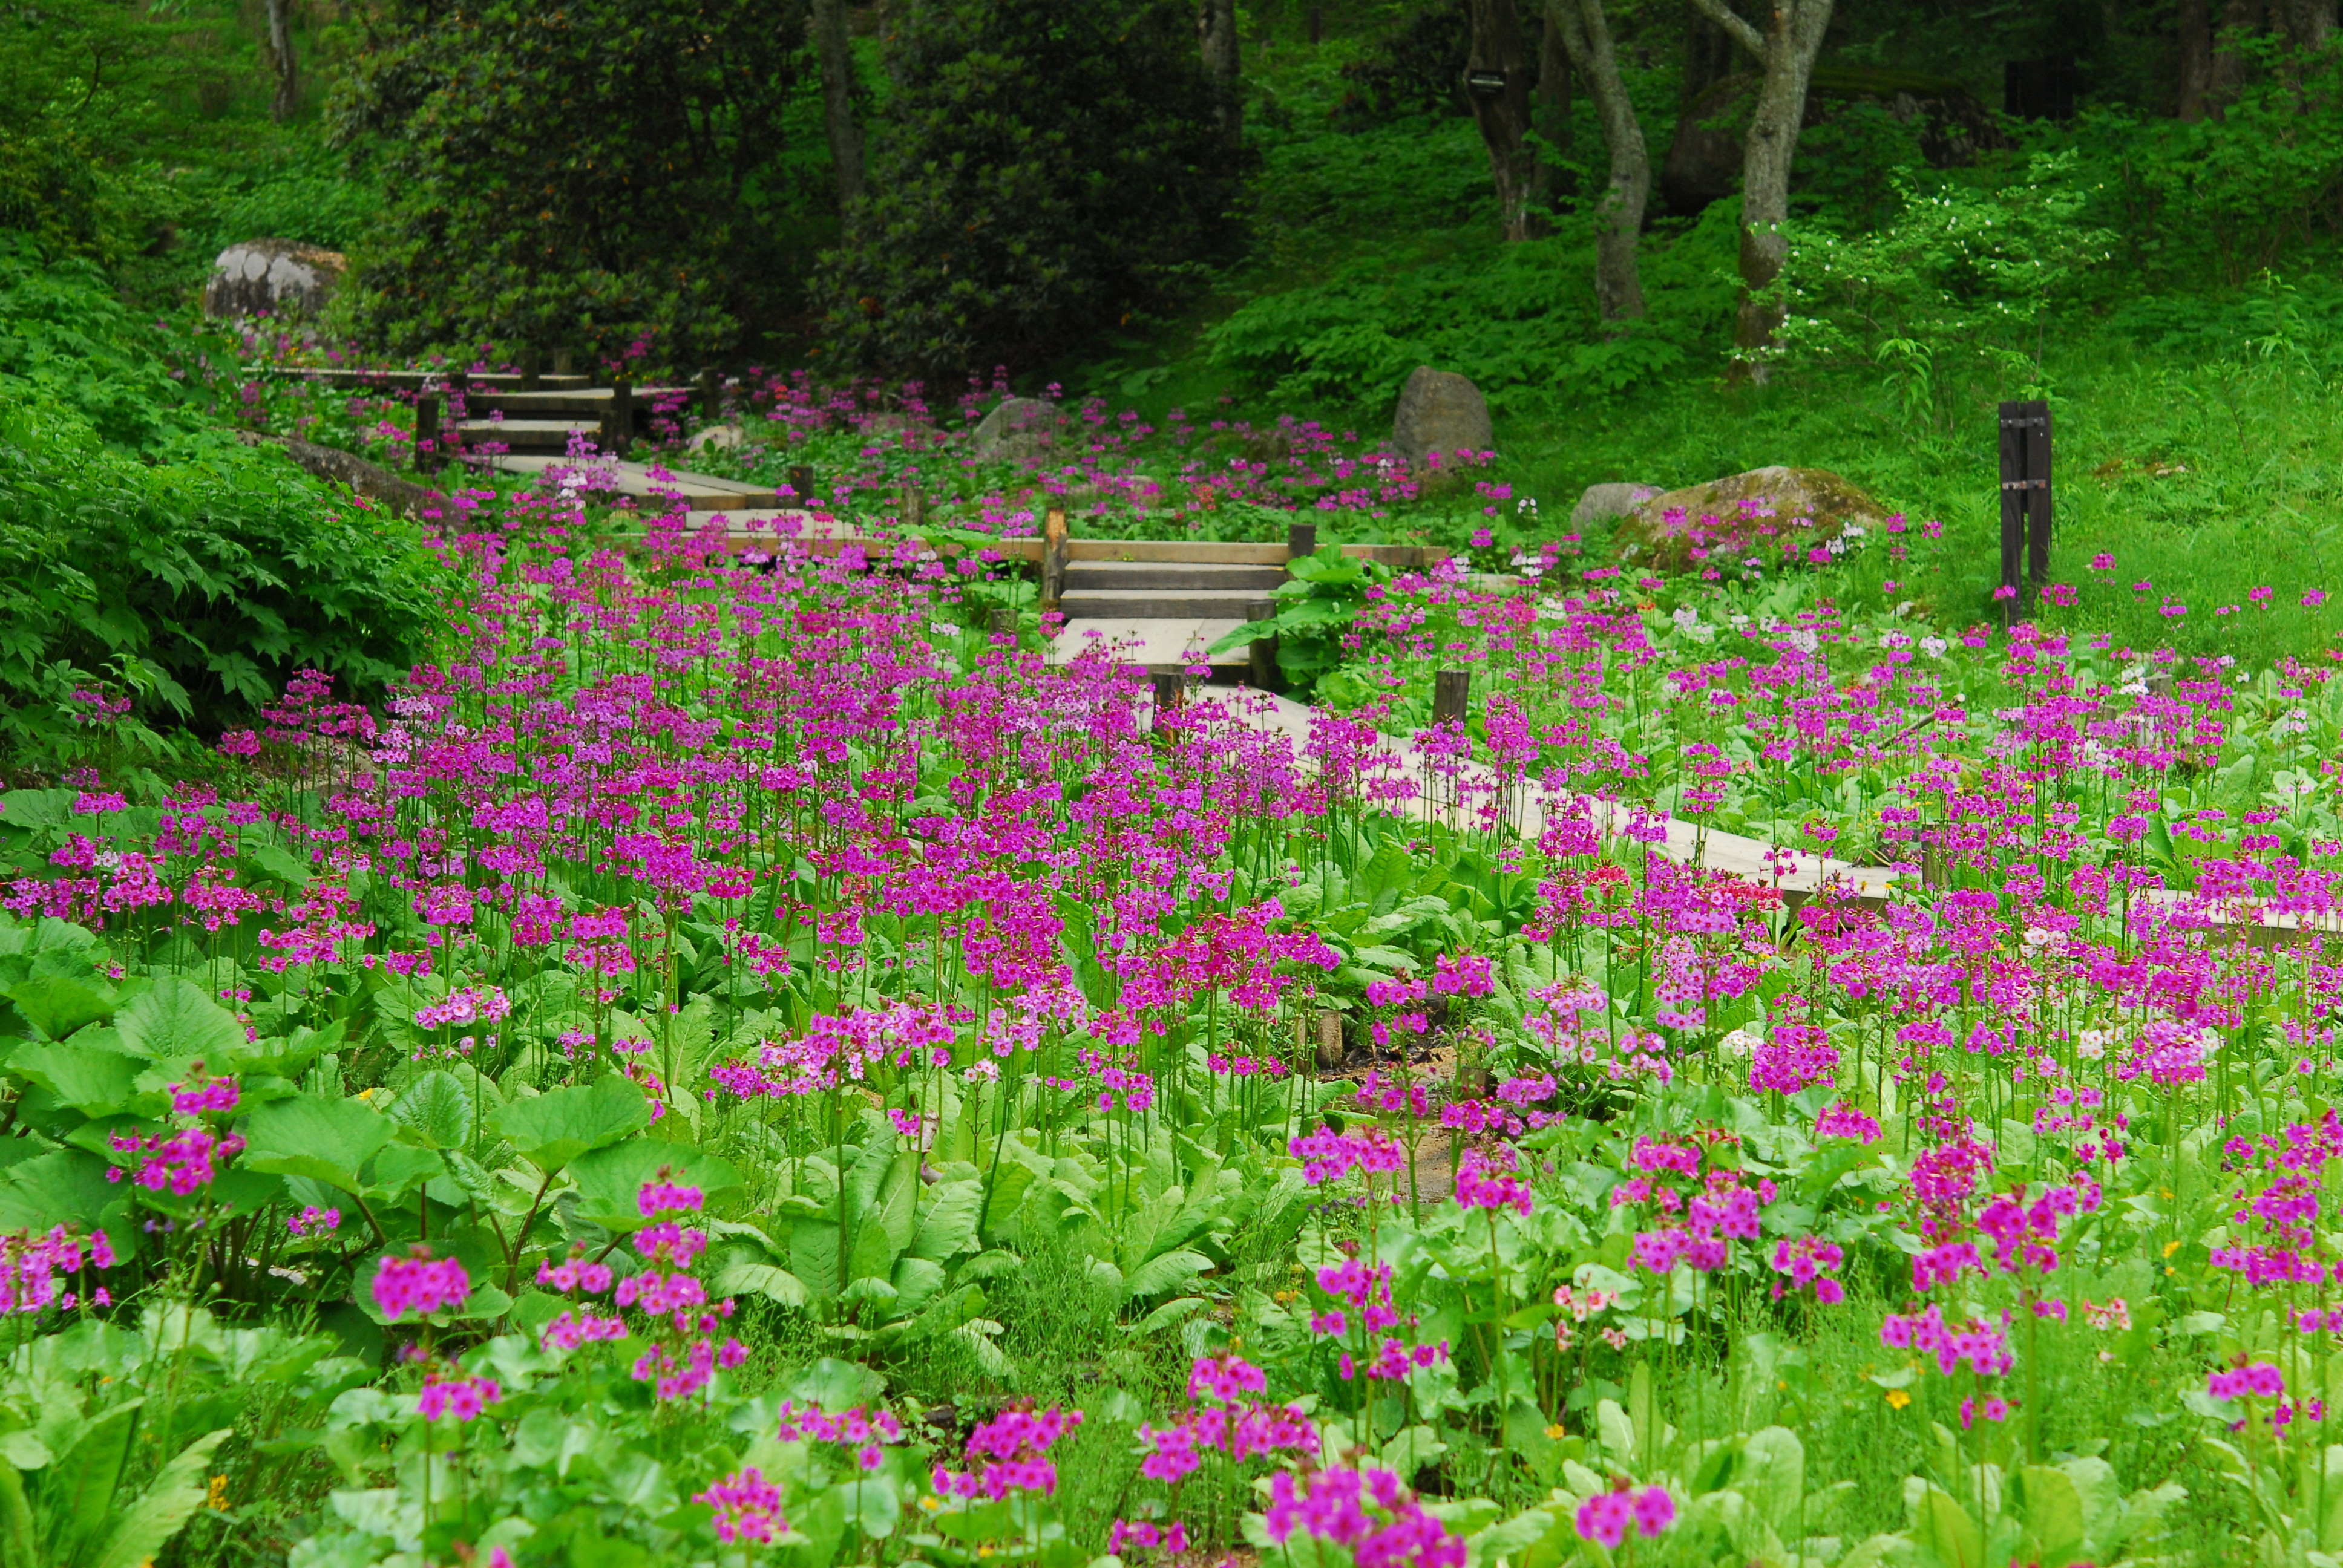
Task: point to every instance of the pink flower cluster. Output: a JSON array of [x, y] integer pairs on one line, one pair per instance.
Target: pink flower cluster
[[1146, 1536], [2256, 1379], [1367, 1512], [182, 1163], [1331, 1156], [1009, 1454], [1981, 1346], [33, 1268], [1605, 1517], [1809, 1261], [420, 1283], [463, 1398], [748, 1508]]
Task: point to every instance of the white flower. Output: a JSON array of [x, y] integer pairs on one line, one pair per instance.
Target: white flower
[[1934, 647], [944, 628], [2092, 1043]]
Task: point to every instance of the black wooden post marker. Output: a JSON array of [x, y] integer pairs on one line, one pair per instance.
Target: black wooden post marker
[[1261, 654], [427, 432], [2024, 494], [1449, 689], [1300, 539]]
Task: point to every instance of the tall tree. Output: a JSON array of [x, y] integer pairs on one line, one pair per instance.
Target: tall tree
[[1618, 283], [1046, 169], [1550, 114], [1216, 40], [828, 24], [2194, 24], [1498, 82], [282, 66], [1785, 51]]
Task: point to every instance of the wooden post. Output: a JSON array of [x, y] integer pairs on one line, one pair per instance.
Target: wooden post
[[1054, 550], [619, 425], [915, 511], [1300, 539], [1171, 692], [564, 363], [427, 432], [711, 395], [2025, 497], [1261, 654], [1004, 623], [1317, 25], [1330, 1041], [530, 375], [1449, 689], [801, 483]]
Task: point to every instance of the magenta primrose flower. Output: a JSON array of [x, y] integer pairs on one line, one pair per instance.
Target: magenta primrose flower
[[1604, 1518], [419, 1283]]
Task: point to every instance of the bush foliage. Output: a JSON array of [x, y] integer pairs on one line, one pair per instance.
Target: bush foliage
[[1045, 170], [579, 175]]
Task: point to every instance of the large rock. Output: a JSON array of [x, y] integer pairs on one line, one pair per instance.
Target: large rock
[[1018, 430], [1599, 503], [1440, 412], [1762, 509], [272, 277]]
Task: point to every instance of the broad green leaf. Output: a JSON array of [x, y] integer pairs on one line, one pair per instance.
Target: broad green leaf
[[327, 1139], [2053, 1515], [81, 1485], [66, 1186], [17, 1548], [436, 1109], [746, 1277], [610, 1180], [89, 1078], [1167, 1273], [948, 1220], [836, 1386], [57, 1005], [175, 1019], [147, 1525], [552, 1129], [1942, 1529]]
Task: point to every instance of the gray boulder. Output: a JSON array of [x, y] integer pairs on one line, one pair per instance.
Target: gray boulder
[[716, 438], [273, 277], [1601, 502], [1018, 430], [1440, 412]]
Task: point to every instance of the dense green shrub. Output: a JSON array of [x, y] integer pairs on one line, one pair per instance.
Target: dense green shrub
[[1045, 169], [195, 587], [580, 172]]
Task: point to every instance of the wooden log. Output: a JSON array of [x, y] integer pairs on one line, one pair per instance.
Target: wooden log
[[711, 395], [618, 419], [1300, 539], [530, 378], [1450, 690]]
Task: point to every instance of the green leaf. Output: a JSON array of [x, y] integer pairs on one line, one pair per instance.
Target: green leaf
[[57, 1005], [554, 1128], [610, 1180], [81, 1485], [66, 1186], [147, 1525], [948, 1220], [744, 1276], [1944, 1531], [437, 1109], [326, 1140], [173, 1017], [2053, 1515], [17, 1549], [89, 1078]]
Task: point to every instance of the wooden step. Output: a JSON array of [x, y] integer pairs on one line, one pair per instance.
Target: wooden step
[[1210, 575], [526, 434], [1161, 647], [700, 492], [1156, 604]]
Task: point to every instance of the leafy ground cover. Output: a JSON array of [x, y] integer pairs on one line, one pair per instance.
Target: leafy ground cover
[[735, 1065]]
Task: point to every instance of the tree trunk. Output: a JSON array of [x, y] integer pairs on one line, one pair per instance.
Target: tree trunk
[[1216, 37], [1550, 115], [1618, 283], [836, 58], [1787, 49], [1708, 55], [2196, 39], [2239, 18], [282, 65], [1502, 110]]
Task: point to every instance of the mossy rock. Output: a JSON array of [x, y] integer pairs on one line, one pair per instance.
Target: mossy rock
[[1765, 506]]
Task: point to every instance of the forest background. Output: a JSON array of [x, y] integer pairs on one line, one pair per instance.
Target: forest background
[[1670, 240]]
